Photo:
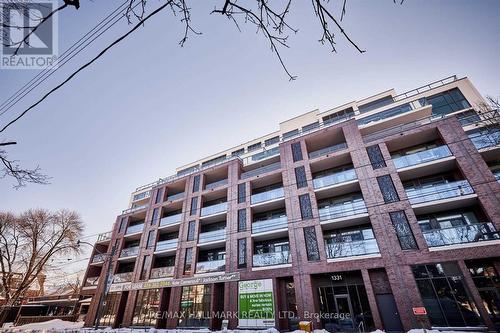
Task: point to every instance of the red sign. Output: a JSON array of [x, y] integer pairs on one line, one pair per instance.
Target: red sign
[[419, 311]]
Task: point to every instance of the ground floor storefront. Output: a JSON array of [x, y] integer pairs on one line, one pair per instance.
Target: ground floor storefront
[[443, 294]]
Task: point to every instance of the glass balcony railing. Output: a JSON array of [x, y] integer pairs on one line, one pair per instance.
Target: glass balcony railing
[[211, 266], [353, 248], [270, 224], [334, 178], [422, 157], [176, 196], [105, 236], [122, 277], [216, 184], [161, 272], [167, 244], [129, 251], [134, 208], [92, 281], [328, 150], [461, 234], [142, 195], [172, 219], [212, 236], [344, 209], [267, 196], [486, 139], [132, 229], [99, 257], [214, 209], [435, 192], [271, 259], [496, 173], [261, 170]]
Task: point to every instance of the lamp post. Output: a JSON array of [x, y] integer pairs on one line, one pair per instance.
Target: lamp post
[[107, 280]]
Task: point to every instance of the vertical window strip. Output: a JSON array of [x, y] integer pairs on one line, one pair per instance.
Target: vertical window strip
[[305, 206], [194, 205], [242, 219], [300, 177], [196, 183], [297, 152], [242, 253], [311, 240], [242, 192], [376, 158], [387, 189], [403, 230]]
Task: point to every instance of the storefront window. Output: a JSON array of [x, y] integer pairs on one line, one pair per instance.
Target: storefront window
[[487, 282], [445, 295], [195, 306], [110, 309], [146, 307]]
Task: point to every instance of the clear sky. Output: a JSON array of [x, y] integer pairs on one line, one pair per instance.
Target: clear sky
[[149, 105]]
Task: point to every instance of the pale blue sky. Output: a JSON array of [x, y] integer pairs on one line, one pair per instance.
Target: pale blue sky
[[149, 105]]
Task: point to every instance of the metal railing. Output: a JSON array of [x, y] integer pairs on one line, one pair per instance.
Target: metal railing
[[424, 88], [328, 150], [343, 209], [211, 266], [122, 277], [270, 224], [261, 170], [422, 157], [212, 236], [441, 191], [167, 244], [334, 178], [175, 196], [461, 234], [267, 196], [104, 236], [271, 259], [216, 184], [171, 219], [131, 229], [214, 209], [161, 272], [129, 251], [342, 248]]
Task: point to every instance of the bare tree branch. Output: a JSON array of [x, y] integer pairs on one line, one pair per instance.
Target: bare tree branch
[[23, 176]]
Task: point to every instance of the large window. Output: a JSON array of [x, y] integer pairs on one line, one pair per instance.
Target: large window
[[446, 102], [146, 307], [445, 295], [195, 306], [487, 282], [110, 309]]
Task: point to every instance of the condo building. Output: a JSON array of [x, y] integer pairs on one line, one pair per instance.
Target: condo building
[[382, 213]]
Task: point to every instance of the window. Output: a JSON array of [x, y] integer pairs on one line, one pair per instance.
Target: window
[[310, 127], [146, 307], [195, 306], [387, 188], [191, 228], [338, 117], [254, 146], [196, 183], [272, 141], [188, 260], [445, 295], [110, 309], [242, 253], [392, 112], [290, 134], [446, 102], [194, 206], [214, 161], [311, 244], [242, 192], [238, 152], [123, 224], [151, 239], [159, 196], [375, 104], [300, 177], [376, 157], [305, 206], [296, 152], [242, 219], [403, 230], [154, 216], [145, 266], [486, 278]]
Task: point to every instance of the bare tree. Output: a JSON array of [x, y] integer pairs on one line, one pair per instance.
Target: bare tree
[[28, 241], [22, 176]]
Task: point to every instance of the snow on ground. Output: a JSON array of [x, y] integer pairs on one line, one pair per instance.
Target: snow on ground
[[54, 325]]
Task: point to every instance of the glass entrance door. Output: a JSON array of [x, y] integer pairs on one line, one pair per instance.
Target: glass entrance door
[[344, 309]]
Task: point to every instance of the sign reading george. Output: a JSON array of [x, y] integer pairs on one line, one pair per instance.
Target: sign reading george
[[419, 311], [256, 303]]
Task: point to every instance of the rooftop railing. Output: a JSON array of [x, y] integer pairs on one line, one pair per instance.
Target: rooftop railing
[[424, 88], [422, 157], [461, 234]]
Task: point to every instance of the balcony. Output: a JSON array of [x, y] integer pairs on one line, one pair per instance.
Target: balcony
[[175, 196], [470, 233], [334, 179], [170, 220], [211, 266], [342, 210], [422, 157], [216, 184], [132, 229], [277, 193], [418, 195], [271, 259], [91, 282], [99, 257], [129, 252], [161, 272], [212, 236], [261, 170], [262, 155], [122, 277], [214, 209], [104, 237], [270, 224], [134, 209], [485, 139], [341, 248], [141, 196], [165, 245], [328, 150]]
